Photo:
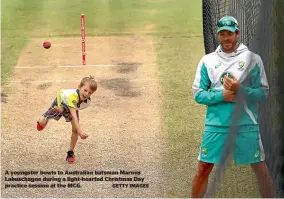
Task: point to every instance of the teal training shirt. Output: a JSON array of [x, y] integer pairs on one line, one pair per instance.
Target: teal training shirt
[[245, 66]]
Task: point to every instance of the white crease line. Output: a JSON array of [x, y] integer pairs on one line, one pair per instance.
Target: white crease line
[[41, 81], [68, 66], [60, 81]]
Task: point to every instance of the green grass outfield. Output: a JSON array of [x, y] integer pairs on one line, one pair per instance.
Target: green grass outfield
[[179, 46]]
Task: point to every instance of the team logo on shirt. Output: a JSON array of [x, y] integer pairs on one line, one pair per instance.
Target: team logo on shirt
[[241, 65], [223, 76], [217, 65], [74, 102]]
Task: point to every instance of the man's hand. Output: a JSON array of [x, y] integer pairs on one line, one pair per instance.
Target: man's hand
[[231, 84], [83, 135], [229, 96]]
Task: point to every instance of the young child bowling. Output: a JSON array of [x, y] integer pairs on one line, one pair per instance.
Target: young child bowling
[[67, 103]]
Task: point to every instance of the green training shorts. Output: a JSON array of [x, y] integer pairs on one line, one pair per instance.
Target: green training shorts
[[247, 148]]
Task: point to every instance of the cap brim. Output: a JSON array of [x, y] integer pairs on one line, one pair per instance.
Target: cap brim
[[229, 28]]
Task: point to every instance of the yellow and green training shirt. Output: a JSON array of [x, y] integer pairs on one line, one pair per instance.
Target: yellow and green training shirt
[[71, 98]]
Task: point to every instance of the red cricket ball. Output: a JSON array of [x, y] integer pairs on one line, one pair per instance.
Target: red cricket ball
[[46, 44]]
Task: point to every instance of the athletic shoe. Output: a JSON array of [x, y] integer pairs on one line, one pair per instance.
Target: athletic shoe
[[39, 127], [70, 157]]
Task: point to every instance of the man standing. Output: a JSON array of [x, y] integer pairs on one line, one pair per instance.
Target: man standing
[[222, 75]]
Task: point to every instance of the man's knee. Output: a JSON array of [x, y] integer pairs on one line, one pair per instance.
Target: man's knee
[[204, 169], [259, 167]]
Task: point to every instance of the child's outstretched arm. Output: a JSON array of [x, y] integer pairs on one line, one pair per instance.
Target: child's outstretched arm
[[75, 123]]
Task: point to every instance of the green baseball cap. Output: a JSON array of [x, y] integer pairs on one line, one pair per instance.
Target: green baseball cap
[[227, 23]]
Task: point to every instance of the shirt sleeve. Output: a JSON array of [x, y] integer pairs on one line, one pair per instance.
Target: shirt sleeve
[[259, 88], [201, 85], [72, 100], [59, 98], [84, 104]]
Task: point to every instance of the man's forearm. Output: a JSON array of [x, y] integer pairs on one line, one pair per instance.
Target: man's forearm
[[209, 97], [253, 94]]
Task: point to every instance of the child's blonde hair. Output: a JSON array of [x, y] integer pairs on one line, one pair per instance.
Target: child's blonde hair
[[92, 82]]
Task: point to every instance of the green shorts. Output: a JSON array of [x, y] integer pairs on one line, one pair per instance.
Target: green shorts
[[247, 148]]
